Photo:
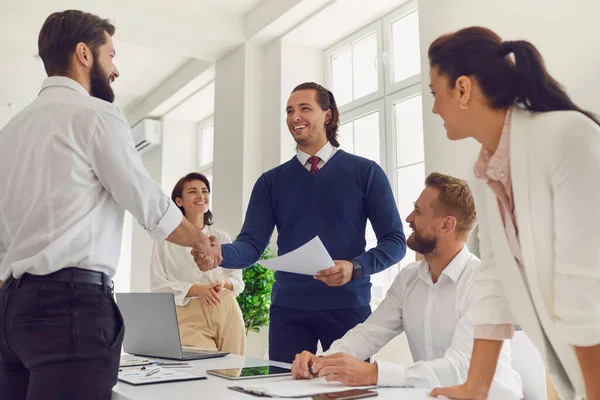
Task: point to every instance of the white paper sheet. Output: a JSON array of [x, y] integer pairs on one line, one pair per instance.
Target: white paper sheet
[[299, 388], [307, 259]]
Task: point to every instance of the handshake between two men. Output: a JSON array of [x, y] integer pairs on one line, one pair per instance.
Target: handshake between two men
[[207, 253]]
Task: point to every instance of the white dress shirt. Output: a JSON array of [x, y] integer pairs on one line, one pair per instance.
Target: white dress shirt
[[68, 169], [325, 153], [173, 269], [437, 321]]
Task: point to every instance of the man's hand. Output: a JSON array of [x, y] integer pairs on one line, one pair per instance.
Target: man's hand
[[338, 275], [301, 368], [206, 294], [207, 254], [346, 369], [459, 392]]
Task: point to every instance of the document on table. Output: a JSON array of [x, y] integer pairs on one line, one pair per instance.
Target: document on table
[[296, 388], [307, 259], [139, 377]]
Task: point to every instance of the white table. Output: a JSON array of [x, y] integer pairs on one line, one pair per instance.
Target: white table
[[216, 388]]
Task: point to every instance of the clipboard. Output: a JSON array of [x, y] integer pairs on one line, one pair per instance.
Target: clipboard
[[295, 388]]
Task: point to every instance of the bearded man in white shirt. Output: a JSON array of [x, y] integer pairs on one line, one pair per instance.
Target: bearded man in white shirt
[[68, 169], [430, 300]]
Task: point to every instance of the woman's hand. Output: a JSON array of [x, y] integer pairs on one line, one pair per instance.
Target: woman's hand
[[207, 294]]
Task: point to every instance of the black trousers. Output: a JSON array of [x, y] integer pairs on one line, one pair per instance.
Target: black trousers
[[58, 340], [292, 331]]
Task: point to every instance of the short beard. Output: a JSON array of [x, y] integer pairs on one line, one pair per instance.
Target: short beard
[[99, 83], [421, 244]]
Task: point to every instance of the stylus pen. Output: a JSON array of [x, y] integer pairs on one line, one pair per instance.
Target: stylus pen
[[152, 372]]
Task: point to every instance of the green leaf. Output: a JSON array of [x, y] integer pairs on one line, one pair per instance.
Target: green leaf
[[255, 300]]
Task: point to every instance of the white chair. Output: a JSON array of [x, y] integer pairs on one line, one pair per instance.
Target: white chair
[[528, 363]]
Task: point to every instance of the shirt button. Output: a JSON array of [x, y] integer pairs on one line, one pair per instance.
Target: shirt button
[[501, 174]]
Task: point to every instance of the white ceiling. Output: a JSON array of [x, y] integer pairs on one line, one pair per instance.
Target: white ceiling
[[319, 31], [154, 38], [197, 107]]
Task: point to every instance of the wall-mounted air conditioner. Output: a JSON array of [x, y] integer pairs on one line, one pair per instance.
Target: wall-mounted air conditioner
[[147, 134]]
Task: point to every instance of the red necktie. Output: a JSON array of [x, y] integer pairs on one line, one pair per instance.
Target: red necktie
[[314, 160]]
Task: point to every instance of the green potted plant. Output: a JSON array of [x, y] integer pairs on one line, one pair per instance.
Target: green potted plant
[[255, 300]]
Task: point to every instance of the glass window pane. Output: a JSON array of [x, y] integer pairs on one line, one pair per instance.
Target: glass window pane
[[410, 182], [405, 38], [346, 137], [366, 136], [409, 131], [341, 75], [364, 72]]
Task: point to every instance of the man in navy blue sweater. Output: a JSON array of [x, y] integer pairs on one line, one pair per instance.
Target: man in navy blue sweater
[[330, 193]]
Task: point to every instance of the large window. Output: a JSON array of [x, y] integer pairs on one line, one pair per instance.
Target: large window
[[375, 76]]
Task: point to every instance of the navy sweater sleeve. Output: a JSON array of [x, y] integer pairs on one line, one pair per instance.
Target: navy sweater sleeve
[[382, 211], [256, 231]]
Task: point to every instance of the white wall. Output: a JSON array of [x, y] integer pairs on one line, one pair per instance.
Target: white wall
[[228, 158], [179, 151], [565, 33], [299, 63], [141, 242]]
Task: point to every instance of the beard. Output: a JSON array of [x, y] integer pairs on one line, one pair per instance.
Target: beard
[[99, 83], [421, 244]]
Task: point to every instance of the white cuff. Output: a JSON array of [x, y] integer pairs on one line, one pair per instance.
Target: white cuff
[[390, 374], [168, 222]]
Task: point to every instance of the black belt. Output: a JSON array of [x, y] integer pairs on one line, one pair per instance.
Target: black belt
[[71, 275]]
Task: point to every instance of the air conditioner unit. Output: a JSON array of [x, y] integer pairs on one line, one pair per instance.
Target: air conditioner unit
[[147, 135]]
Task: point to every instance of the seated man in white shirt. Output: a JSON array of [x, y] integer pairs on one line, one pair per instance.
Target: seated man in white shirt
[[430, 300]]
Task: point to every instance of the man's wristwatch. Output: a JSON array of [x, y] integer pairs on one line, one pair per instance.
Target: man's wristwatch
[[357, 270]]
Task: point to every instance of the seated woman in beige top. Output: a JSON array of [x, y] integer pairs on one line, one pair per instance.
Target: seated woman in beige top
[[207, 311]]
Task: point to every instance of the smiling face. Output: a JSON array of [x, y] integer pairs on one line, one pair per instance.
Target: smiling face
[[424, 223], [306, 120], [195, 198], [460, 104]]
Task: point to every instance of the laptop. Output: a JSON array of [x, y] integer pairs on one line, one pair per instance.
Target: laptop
[[151, 328]]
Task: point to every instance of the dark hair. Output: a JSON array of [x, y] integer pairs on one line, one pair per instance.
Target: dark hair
[[178, 192], [61, 33], [454, 199], [326, 102], [480, 53]]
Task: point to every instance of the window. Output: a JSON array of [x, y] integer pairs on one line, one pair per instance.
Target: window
[[375, 76], [353, 71]]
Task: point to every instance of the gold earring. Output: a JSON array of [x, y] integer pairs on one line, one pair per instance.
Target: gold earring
[[463, 106]]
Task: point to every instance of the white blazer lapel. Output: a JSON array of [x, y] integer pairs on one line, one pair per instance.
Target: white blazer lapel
[[520, 128]]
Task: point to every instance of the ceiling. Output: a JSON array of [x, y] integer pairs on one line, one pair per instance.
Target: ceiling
[[154, 39]]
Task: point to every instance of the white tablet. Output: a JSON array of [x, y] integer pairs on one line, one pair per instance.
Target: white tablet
[[266, 371]]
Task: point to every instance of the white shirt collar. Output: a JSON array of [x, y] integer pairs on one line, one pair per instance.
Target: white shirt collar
[[324, 154], [453, 270], [63, 81]]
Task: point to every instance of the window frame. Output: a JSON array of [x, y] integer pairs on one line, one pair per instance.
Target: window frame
[[372, 28]]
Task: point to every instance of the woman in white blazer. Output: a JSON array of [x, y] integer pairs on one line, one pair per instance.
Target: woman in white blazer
[[208, 314], [537, 198]]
